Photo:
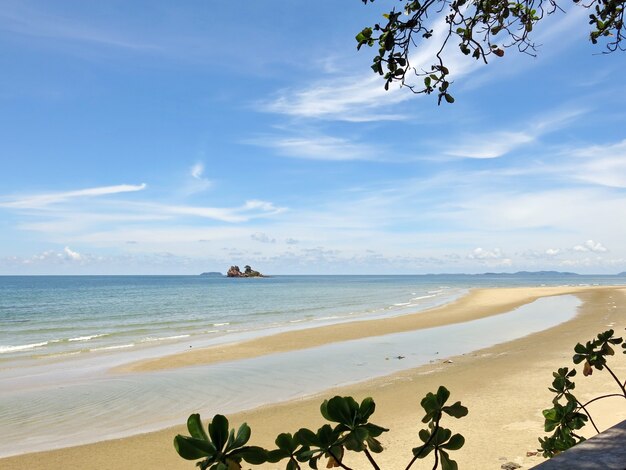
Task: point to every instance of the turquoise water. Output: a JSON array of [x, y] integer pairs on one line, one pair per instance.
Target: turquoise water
[[59, 337], [56, 316]]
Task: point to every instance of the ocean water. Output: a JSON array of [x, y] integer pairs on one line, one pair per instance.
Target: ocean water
[[43, 317], [59, 336]]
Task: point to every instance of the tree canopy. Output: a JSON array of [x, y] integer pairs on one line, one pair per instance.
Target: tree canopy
[[480, 29]]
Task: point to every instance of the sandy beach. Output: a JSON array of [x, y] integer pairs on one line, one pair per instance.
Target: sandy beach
[[504, 387]]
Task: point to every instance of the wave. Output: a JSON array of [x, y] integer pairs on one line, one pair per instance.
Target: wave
[[421, 297], [150, 338], [23, 347], [109, 348], [87, 338]]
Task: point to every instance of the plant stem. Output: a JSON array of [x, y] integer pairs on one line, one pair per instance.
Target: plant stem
[[619, 383], [345, 467], [436, 459], [371, 459], [432, 436], [603, 396], [588, 415]]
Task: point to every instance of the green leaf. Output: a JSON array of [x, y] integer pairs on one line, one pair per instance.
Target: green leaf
[[307, 437], [457, 410], [375, 430], [243, 436], [455, 443], [374, 445], [194, 425], [448, 98], [190, 448], [218, 430], [276, 455], [422, 452], [367, 408], [254, 455], [340, 410], [442, 395], [286, 442], [446, 462]]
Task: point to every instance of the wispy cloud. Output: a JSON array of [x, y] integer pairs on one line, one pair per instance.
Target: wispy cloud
[[359, 98], [197, 170], [318, 147], [33, 22], [600, 164], [341, 99], [249, 210], [36, 201], [492, 145], [496, 144], [198, 182]]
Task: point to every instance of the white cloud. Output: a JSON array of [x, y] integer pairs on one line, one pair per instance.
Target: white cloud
[[250, 210], [590, 245], [73, 255], [490, 145], [482, 254], [37, 201], [198, 182], [197, 171], [600, 164], [499, 143], [318, 147], [354, 98], [553, 251], [32, 22], [262, 237]]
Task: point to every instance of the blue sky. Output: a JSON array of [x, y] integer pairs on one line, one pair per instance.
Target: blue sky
[[153, 137]]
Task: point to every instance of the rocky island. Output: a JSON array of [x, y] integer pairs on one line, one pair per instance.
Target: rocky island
[[234, 271]]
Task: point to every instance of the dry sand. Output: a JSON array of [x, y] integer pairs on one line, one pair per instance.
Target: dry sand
[[504, 387]]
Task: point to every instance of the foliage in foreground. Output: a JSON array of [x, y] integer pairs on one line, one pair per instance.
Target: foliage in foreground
[[349, 430], [568, 414], [480, 29]]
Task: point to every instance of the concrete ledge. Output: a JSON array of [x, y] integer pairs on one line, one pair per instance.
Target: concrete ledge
[[606, 451]]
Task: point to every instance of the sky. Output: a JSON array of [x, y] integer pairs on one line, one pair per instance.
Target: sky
[[158, 137]]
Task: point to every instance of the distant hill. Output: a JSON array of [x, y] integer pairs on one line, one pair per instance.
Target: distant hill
[[212, 274], [533, 273]]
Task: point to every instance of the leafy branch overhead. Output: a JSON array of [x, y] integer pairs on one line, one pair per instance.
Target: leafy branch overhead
[[479, 28]]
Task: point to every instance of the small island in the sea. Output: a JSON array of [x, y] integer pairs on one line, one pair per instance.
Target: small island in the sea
[[212, 274], [234, 271]]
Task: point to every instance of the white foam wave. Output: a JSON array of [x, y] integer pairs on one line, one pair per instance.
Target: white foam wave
[[221, 324], [86, 338], [21, 347], [150, 338], [421, 297], [108, 348]]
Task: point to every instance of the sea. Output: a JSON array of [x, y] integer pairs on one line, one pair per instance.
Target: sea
[[61, 335]]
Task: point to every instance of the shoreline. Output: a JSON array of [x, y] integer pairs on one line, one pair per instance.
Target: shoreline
[[476, 304], [507, 366]]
